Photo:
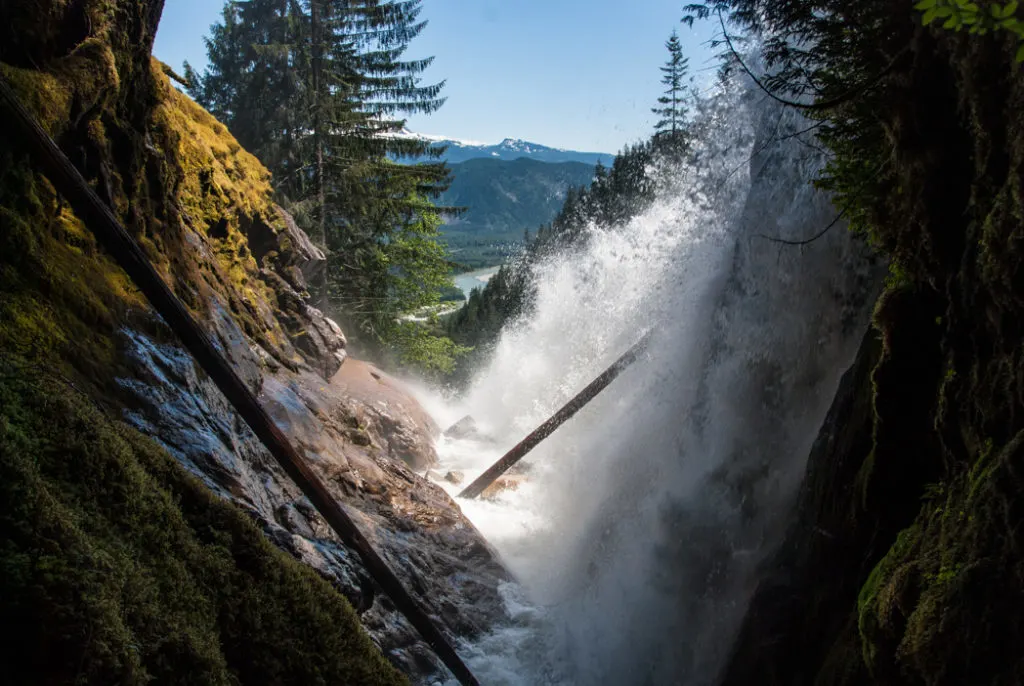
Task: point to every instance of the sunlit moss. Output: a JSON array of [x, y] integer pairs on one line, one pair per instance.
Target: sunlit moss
[[46, 96], [205, 180]]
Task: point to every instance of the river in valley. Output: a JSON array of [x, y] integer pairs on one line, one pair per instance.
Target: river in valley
[[474, 279]]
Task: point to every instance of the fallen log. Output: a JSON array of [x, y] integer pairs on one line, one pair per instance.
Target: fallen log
[[563, 415], [97, 216]]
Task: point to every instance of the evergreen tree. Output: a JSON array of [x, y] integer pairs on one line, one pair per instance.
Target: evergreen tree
[[316, 88], [672, 103], [254, 84]]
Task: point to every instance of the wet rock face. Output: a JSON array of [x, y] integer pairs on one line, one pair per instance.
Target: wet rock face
[[206, 219], [363, 434], [384, 414], [359, 445]]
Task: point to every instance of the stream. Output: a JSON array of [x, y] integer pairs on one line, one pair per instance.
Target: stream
[[637, 532]]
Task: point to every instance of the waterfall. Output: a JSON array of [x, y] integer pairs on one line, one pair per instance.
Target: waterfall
[[637, 535]]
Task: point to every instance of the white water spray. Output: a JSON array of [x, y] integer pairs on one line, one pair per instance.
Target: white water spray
[[637, 534]]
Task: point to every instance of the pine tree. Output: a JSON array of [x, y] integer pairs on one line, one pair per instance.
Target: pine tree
[[316, 88], [253, 83], [672, 103]]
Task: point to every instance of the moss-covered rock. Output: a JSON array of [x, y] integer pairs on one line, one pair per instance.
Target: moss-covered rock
[[943, 605], [928, 586], [173, 174], [119, 567]]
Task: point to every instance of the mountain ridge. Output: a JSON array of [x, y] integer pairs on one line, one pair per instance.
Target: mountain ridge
[[509, 149], [504, 199]]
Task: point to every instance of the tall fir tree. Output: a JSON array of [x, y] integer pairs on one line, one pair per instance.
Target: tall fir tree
[[672, 104], [317, 89]]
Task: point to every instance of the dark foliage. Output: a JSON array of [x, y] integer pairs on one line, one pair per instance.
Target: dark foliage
[[928, 149]]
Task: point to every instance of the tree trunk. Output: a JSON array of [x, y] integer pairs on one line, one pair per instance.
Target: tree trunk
[[320, 295], [120, 245], [563, 415]]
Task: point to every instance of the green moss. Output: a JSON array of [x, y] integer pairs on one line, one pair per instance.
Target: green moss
[[897, 277], [949, 580], [878, 600], [118, 567], [45, 95], [981, 471], [221, 190], [862, 483], [64, 298]]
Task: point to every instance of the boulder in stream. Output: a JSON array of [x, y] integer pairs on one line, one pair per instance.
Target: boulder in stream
[[464, 428]]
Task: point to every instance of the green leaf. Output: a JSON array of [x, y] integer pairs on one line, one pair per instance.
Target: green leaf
[[925, 5], [1020, 54], [1011, 8], [950, 23], [941, 12], [929, 16]]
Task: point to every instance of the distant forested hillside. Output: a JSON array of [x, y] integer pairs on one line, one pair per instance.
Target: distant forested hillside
[[504, 200], [613, 196]]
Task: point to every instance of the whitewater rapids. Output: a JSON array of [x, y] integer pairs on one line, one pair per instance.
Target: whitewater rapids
[[637, 534]]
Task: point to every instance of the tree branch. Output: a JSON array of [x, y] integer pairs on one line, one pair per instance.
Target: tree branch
[[816, 106], [813, 238]]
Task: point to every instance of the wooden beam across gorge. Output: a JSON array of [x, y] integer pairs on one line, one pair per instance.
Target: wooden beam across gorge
[[562, 416]]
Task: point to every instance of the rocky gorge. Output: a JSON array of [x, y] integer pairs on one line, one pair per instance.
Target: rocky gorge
[[747, 518]]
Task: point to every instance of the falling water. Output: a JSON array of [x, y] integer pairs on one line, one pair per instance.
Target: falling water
[[636, 536]]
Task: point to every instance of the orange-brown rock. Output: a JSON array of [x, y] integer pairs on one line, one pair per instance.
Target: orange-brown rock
[[388, 413]]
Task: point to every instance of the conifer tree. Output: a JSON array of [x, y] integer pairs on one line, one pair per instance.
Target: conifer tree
[[316, 89], [672, 103]]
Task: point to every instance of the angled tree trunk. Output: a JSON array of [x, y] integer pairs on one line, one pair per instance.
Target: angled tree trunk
[[563, 415], [109, 232], [316, 19]]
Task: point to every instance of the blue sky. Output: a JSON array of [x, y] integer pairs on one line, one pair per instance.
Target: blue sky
[[580, 74]]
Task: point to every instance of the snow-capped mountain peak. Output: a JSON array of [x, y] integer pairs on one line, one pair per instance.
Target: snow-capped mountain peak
[[460, 150], [447, 140]]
